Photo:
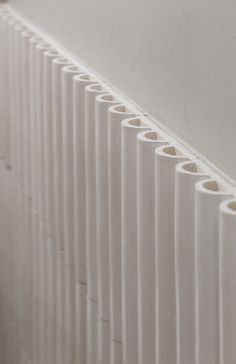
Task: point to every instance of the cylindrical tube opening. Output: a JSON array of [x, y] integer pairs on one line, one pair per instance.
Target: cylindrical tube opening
[[136, 122], [61, 60], [232, 205], [211, 185], [106, 98], [52, 53], [72, 69], [95, 87], [152, 135], [121, 109]]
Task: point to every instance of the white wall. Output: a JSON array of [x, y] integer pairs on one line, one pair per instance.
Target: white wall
[[175, 58]]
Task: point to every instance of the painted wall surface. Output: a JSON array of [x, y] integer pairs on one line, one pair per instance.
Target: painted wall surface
[[175, 58]]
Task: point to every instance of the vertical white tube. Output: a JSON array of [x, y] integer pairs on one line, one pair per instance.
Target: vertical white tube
[[209, 194], [85, 92], [2, 50], [90, 192], [49, 200], [7, 25], [103, 102], [42, 276], [166, 158], [84, 189], [5, 17], [41, 48], [60, 308], [80, 319], [227, 254], [40, 147], [48, 139], [51, 298], [57, 65], [83, 105], [34, 180], [26, 35], [186, 176], [146, 143], [12, 91], [11, 88], [19, 105], [35, 293], [130, 128], [116, 114], [27, 279], [68, 74]]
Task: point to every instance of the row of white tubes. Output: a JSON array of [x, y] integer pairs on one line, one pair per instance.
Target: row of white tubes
[[115, 246]]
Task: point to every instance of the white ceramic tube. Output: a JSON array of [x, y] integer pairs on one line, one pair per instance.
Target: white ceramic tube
[[85, 201], [103, 102], [68, 74], [208, 194], [26, 35], [80, 319], [51, 252], [41, 48], [42, 282], [2, 46], [10, 59], [166, 158], [227, 255], [146, 143], [34, 180], [60, 308], [81, 111], [130, 128], [186, 176], [35, 278], [57, 65], [85, 91], [19, 105], [104, 343], [116, 114], [48, 141], [92, 331], [5, 17], [12, 95], [51, 261], [70, 315], [7, 24], [90, 194]]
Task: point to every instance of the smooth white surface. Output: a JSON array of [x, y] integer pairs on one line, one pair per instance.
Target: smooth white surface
[[81, 92], [186, 176], [227, 254], [40, 49], [146, 144], [179, 61], [208, 195], [130, 129], [90, 190], [116, 114], [103, 102], [67, 76], [166, 158], [48, 137], [57, 66]]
